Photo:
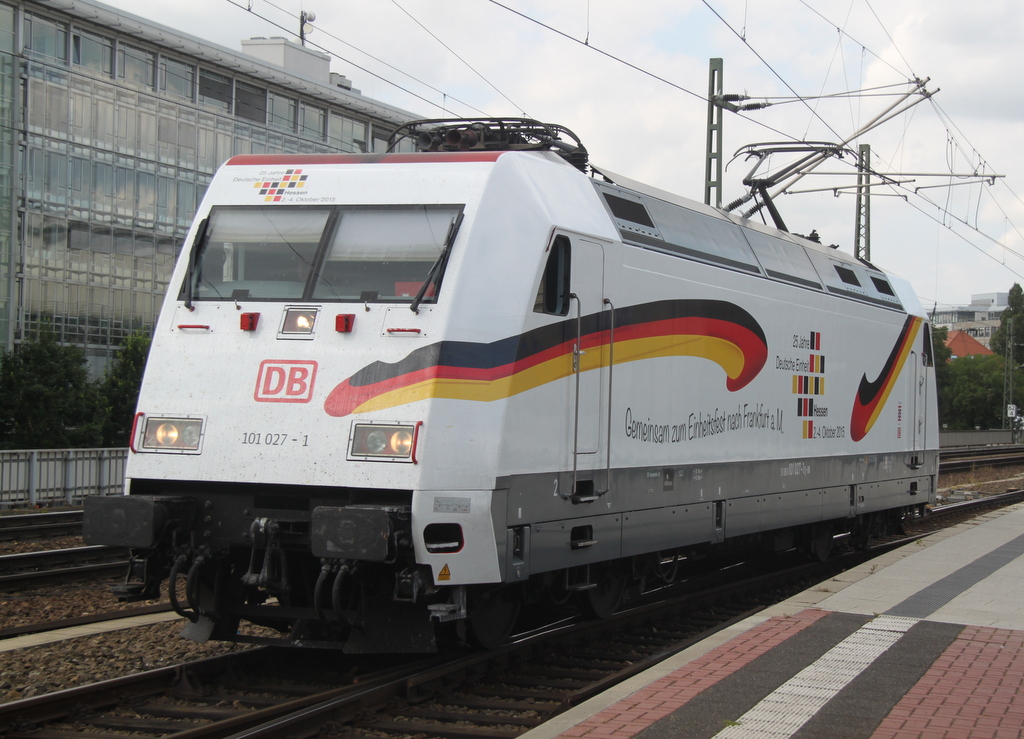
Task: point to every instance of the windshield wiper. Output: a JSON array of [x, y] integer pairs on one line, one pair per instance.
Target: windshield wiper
[[197, 246], [438, 267]]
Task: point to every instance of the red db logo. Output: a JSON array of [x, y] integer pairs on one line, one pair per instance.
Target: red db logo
[[285, 381]]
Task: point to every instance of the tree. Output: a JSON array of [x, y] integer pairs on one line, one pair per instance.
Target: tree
[[975, 394], [1014, 311], [120, 388], [48, 400], [943, 376]]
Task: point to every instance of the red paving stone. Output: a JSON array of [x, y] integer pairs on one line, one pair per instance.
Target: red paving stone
[[975, 690], [655, 701]]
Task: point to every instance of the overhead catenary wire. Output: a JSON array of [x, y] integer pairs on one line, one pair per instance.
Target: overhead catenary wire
[[630, 65], [247, 7], [843, 32], [451, 51], [764, 61]]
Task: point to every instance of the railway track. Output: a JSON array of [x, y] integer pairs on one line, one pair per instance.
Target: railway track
[[95, 618], [953, 513], [30, 569], [495, 694], [501, 693], [960, 460], [25, 526]]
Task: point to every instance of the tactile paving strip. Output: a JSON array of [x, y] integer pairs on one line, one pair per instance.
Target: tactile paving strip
[[792, 704]]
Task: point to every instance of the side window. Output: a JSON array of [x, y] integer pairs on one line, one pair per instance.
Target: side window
[[929, 359], [553, 293]]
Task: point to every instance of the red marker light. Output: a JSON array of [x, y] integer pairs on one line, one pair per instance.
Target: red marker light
[[249, 321], [343, 322]]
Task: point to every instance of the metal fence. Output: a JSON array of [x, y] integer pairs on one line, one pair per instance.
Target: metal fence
[[49, 477], [983, 437]]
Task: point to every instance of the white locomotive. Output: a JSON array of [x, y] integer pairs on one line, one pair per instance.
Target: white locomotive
[[407, 389]]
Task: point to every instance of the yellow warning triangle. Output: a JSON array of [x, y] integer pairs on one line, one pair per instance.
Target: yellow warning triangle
[[444, 574]]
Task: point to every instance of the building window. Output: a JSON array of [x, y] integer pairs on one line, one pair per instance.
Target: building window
[[124, 191], [103, 187], [92, 51], [215, 90], [177, 78], [250, 102], [146, 193], [281, 112], [136, 65], [347, 134], [46, 38], [78, 235], [6, 28], [312, 121]]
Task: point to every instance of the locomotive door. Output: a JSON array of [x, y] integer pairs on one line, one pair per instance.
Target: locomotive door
[[590, 364]]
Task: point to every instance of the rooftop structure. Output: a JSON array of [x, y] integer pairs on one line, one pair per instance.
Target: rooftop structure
[[963, 344], [978, 320]]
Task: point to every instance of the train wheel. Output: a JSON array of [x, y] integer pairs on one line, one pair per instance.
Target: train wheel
[[604, 600], [493, 615]]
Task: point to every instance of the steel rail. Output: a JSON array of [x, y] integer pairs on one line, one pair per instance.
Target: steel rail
[[21, 526], [59, 565]]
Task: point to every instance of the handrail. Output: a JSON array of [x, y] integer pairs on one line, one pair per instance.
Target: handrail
[[577, 352], [611, 367]]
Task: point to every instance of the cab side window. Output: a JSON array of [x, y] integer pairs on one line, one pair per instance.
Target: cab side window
[[929, 359], [553, 293]]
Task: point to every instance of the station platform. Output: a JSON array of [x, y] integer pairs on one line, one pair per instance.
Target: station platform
[[924, 642]]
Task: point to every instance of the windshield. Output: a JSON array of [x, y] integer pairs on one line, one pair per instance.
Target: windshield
[[348, 253]]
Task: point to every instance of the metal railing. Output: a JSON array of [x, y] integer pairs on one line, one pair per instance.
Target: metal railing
[[49, 477], [982, 437]]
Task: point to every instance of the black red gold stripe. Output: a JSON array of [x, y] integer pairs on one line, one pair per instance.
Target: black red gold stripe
[[871, 396], [716, 330]]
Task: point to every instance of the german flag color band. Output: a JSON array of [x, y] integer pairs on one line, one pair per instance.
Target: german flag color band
[[871, 396], [716, 330]]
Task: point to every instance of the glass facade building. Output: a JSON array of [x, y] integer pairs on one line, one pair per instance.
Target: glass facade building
[[111, 129]]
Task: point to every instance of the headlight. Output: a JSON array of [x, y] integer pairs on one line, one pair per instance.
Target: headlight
[[298, 321], [384, 441], [172, 434]]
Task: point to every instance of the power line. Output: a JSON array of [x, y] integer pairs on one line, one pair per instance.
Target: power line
[[248, 8], [888, 36], [634, 67], [770, 68], [590, 46], [452, 52], [843, 32], [964, 239]]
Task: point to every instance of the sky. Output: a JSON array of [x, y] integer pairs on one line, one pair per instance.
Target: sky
[[631, 80]]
